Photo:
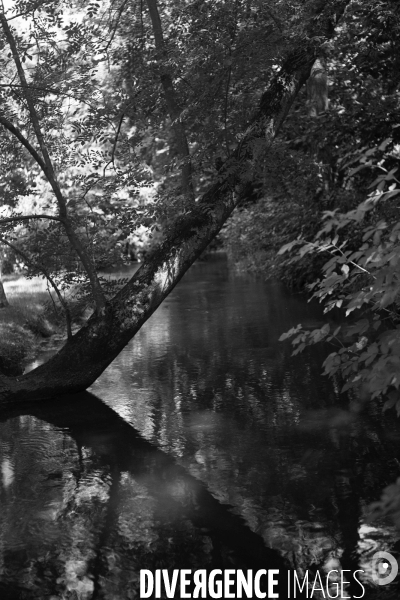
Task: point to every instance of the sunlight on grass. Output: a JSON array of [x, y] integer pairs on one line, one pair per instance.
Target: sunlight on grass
[[27, 319], [22, 286], [34, 314], [29, 301]]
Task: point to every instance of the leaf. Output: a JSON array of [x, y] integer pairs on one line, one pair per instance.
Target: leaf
[[388, 195], [359, 327], [384, 144], [388, 298], [299, 349], [290, 333], [288, 247], [357, 169]]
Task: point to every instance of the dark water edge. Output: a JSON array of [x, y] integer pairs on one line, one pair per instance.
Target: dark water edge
[[210, 447]]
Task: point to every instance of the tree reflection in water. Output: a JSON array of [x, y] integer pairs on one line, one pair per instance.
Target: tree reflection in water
[[93, 503], [87, 501], [208, 382]]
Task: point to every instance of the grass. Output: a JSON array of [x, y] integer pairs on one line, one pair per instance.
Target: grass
[[32, 316], [28, 319]]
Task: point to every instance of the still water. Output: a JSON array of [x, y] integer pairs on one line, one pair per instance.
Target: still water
[[203, 445]]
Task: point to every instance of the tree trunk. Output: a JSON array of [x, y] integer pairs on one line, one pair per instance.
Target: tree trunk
[[174, 109], [83, 358], [3, 297]]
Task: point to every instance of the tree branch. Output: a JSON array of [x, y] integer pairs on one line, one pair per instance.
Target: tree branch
[[48, 170], [47, 91], [49, 279], [29, 11], [116, 25], [174, 109], [28, 217], [34, 153], [114, 146], [32, 111], [78, 364]]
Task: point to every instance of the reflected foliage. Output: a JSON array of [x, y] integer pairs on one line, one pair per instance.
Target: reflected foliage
[[218, 405]]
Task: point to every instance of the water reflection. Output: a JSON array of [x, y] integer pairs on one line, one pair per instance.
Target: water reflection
[[93, 503], [86, 501], [207, 381]]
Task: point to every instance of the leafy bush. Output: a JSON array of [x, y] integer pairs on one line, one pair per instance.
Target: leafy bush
[[286, 208], [362, 279]]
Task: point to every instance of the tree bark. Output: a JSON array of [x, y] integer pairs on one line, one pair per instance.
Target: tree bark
[[3, 298], [174, 109], [83, 358], [48, 169]]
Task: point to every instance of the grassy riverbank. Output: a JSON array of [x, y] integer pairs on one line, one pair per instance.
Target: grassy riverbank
[[26, 323], [33, 322]]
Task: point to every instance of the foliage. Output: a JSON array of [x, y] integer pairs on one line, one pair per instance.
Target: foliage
[[92, 162], [22, 325], [87, 93], [285, 209], [388, 506], [331, 203], [362, 279], [363, 112]]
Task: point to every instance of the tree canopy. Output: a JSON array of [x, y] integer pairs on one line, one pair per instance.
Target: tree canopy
[[355, 238], [123, 119]]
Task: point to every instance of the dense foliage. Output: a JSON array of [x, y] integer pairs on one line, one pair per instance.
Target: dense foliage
[[333, 205], [312, 175], [116, 117]]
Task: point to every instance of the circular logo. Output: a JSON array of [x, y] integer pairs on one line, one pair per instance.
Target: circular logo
[[384, 568]]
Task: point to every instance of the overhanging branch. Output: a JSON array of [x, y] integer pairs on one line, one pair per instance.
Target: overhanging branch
[[15, 131], [49, 278], [78, 364], [28, 218], [48, 170]]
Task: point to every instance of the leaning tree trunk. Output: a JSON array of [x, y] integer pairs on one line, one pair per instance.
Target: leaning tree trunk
[[83, 358]]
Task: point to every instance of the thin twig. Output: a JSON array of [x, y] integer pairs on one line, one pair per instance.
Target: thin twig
[[228, 82], [28, 217], [49, 279], [12, 129], [115, 26], [48, 91], [48, 169], [116, 137], [51, 297], [27, 12], [141, 25]]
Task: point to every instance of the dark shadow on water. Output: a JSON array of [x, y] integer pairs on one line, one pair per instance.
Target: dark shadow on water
[[116, 448], [212, 446]]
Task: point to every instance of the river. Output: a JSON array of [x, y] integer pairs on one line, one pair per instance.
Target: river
[[204, 444]]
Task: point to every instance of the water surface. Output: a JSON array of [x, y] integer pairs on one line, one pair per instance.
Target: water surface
[[245, 455]]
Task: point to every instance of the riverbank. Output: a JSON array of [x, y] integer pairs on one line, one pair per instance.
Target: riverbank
[[27, 324], [34, 323]]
